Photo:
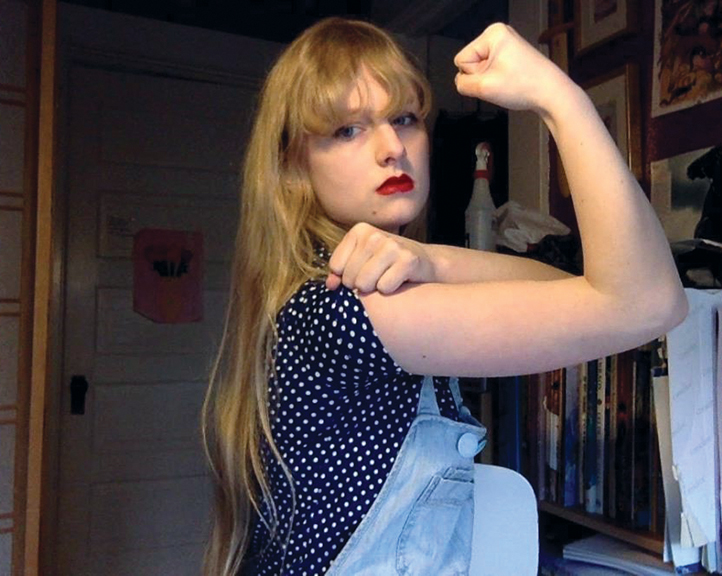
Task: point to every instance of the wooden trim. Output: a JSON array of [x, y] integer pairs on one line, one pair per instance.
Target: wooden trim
[[46, 42], [7, 516], [7, 407], [644, 539], [9, 422], [139, 64], [16, 103], [12, 194], [7, 530], [10, 314], [11, 208], [11, 88], [427, 17], [9, 300]]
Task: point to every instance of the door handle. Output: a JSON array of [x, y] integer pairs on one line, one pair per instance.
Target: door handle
[[78, 390]]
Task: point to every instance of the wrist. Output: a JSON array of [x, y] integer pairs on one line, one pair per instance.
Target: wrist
[[567, 96], [439, 261]]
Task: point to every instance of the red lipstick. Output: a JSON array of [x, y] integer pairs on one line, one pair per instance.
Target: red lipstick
[[403, 183]]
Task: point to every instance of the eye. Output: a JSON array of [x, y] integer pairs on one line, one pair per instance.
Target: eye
[[347, 132], [408, 119]]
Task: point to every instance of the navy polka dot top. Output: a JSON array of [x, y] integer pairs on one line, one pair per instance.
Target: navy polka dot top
[[340, 410]]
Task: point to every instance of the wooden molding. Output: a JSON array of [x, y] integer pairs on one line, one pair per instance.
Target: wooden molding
[[43, 40], [137, 64], [9, 102], [12, 88], [428, 16]]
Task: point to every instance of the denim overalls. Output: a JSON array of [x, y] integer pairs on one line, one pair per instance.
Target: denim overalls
[[421, 523]]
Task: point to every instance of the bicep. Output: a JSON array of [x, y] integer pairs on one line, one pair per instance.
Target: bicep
[[501, 328]]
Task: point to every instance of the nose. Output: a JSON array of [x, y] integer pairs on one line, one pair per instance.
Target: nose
[[389, 146]]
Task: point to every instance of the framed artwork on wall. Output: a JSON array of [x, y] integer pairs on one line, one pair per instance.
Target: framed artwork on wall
[[687, 54], [686, 189], [616, 98], [598, 21]]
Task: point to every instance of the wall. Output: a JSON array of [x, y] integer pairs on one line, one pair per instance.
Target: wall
[[528, 137], [14, 203], [661, 137]]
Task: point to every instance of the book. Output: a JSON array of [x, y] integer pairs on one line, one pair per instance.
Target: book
[[570, 440], [582, 431], [610, 433], [601, 433], [509, 425], [623, 436], [554, 418], [590, 451], [641, 510]]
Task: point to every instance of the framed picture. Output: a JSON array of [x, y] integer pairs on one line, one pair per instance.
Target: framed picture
[[684, 193], [616, 98], [597, 21], [687, 54]]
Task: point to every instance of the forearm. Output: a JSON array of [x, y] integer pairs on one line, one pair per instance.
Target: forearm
[[626, 254], [454, 265]]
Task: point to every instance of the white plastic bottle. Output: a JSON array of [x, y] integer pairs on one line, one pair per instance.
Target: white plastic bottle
[[479, 214]]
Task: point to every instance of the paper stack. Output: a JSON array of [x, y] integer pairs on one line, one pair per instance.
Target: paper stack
[[605, 551], [687, 405]]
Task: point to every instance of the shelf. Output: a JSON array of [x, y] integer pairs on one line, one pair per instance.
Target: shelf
[[642, 538]]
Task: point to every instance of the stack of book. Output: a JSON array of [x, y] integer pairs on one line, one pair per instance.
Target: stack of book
[[586, 437], [630, 441]]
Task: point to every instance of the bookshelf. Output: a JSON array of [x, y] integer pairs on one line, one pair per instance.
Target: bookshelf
[[643, 538], [586, 439]]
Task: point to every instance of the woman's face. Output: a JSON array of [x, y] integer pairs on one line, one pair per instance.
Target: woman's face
[[372, 169]]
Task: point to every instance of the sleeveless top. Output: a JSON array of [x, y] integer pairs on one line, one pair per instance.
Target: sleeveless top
[[340, 409]]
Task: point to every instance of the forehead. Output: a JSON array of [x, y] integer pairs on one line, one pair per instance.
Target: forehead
[[367, 95]]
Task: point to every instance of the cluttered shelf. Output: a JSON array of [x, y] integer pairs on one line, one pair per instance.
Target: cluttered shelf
[[597, 522], [625, 447]]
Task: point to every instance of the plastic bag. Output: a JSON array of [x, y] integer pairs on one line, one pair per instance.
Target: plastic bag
[[518, 228]]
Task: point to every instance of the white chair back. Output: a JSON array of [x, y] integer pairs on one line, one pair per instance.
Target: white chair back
[[506, 524]]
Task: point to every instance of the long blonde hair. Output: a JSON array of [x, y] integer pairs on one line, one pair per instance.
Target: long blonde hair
[[281, 225]]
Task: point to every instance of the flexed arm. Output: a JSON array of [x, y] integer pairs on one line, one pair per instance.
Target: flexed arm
[[630, 291], [626, 255]]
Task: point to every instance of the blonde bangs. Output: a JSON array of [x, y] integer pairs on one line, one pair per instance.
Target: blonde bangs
[[335, 64]]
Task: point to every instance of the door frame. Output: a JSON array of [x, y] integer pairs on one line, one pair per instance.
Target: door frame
[[95, 52]]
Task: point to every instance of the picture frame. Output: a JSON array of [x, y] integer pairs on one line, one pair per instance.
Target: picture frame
[[616, 97], [598, 21], [687, 56], [680, 186]]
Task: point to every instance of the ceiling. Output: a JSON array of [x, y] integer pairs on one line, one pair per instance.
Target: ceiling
[[282, 20]]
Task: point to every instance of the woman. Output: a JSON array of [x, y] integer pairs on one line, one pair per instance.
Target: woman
[[332, 453]]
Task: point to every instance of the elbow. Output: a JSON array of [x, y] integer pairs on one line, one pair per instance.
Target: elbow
[[670, 311]]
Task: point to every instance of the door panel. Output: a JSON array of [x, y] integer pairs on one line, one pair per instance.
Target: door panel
[[144, 152]]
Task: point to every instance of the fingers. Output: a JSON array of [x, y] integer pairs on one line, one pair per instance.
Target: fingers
[[473, 53], [368, 263], [469, 85], [333, 281], [369, 259]]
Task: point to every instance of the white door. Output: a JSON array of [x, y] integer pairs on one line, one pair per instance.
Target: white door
[[144, 151]]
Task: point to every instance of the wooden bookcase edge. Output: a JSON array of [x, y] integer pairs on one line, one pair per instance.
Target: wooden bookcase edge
[[643, 538]]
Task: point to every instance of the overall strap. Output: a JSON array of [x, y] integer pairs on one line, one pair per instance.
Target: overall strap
[[427, 398], [456, 393], [464, 412]]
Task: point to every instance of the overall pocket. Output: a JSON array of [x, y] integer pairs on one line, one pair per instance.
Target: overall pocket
[[436, 537]]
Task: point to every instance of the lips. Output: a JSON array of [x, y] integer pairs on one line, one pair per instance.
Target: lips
[[396, 184]]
